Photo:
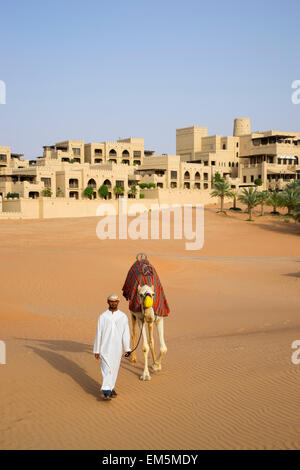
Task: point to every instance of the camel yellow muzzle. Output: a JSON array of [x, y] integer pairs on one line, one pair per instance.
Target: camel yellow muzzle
[[148, 301]]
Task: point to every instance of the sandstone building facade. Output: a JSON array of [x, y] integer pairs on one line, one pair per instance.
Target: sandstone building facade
[[67, 168]]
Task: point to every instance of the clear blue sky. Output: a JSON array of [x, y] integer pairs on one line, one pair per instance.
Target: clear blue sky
[[99, 70]]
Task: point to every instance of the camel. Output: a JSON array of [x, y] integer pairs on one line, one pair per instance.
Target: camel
[[147, 305], [147, 316]]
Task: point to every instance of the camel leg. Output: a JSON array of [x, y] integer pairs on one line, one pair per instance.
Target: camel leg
[[146, 374], [133, 336], [151, 340], [163, 348]]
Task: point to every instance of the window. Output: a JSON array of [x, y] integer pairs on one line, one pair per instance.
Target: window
[[47, 182], [205, 176], [120, 183], [237, 144], [224, 147], [98, 151], [137, 153], [173, 175], [237, 154], [213, 163], [76, 151], [252, 178], [245, 179], [205, 185]]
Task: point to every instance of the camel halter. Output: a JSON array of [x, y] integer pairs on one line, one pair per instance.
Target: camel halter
[[129, 352]]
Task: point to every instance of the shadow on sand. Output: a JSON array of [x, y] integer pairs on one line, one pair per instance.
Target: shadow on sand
[[67, 366], [296, 275]]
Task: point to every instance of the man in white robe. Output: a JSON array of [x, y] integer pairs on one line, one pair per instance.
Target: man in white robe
[[112, 333]]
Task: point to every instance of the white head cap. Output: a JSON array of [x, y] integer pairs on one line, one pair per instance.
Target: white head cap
[[113, 297]]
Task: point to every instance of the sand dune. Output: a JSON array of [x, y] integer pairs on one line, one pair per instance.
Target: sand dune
[[227, 380]]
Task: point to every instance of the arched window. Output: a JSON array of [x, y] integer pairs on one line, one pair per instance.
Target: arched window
[[186, 175], [125, 153], [112, 152], [107, 183], [197, 175], [92, 183]]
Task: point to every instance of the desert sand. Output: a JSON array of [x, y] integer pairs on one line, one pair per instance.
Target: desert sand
[[227, 382]]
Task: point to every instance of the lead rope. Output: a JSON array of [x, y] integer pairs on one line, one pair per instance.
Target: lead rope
[[141, 258], [129, 352]]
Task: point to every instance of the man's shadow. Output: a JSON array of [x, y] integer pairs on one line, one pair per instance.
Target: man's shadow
[[65, 365]]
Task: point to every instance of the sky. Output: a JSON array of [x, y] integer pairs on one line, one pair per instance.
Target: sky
[[98, 71]]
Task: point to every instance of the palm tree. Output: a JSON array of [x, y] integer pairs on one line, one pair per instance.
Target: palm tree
[[294, 185], [274, 200], [89, 191], [47, 192], [221, 190], [290, 199], [297, 213], [235, 193], [59, 192], [217, 177], [262, 198], [103, 191], [118, 190], [133, 191], [249, 197]]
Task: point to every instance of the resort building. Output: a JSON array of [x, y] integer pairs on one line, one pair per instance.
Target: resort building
[[66, 169]]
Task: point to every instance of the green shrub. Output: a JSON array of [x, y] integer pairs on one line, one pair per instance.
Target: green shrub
[[142, 196], [47, 192], [88, 192], [13, 195], [103, 191]]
